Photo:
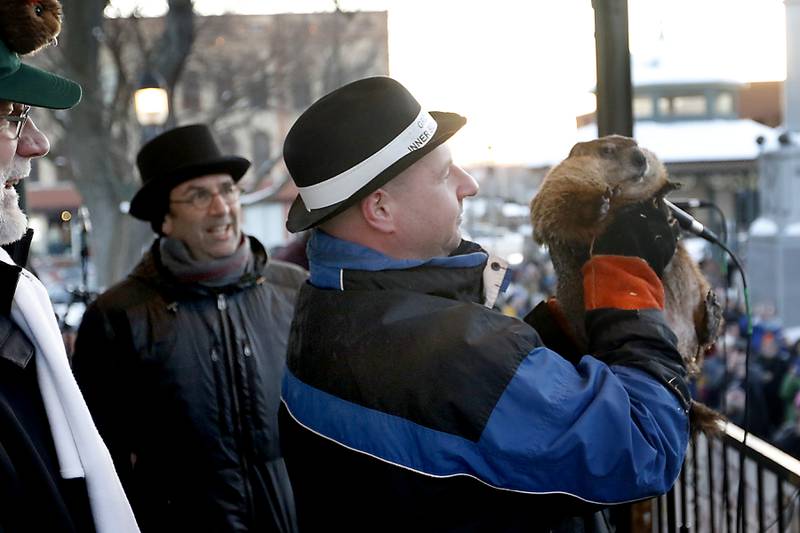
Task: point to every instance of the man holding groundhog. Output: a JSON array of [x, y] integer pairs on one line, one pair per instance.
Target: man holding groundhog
[[408, 403]]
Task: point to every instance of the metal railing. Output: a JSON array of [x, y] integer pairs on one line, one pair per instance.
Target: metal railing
[[707, 497]]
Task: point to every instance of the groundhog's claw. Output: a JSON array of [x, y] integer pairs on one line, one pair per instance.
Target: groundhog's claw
[[605, 202]]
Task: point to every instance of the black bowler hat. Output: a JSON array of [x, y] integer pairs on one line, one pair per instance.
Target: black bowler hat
[[354, 140], [176, 156]]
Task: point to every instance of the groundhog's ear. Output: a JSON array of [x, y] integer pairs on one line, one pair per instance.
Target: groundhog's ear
[[575, 149]]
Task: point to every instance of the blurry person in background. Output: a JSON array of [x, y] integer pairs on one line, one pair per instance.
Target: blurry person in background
[[773, 359], [181, 362], [757, 417], [788, 437], [294, 251]]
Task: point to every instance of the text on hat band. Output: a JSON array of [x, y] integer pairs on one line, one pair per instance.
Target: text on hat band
[[342, 186]]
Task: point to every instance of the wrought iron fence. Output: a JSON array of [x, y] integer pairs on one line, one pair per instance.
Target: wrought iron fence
[[725, 482]]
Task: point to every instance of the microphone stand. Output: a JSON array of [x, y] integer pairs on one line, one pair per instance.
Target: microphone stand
[[81, 294]]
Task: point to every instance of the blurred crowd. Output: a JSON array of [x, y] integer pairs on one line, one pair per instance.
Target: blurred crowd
[[760, 392], [532, 281]]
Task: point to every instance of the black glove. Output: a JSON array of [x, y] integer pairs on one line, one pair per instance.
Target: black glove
[[640, 230]]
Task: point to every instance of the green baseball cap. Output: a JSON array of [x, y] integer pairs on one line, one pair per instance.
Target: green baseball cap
[[29, 85]]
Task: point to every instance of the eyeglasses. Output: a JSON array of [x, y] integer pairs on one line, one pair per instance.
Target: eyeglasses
[[11, 125], [201, 198]]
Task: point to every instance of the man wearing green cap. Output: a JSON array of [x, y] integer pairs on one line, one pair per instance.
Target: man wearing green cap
[[56, 474]]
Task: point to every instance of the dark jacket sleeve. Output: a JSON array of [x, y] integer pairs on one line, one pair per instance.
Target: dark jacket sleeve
[[103, 370], [639, 339]]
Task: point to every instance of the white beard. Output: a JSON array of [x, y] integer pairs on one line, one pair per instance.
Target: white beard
[[13, 221]]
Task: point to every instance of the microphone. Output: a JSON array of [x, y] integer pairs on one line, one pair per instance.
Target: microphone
[[688, 223], [691, 203]]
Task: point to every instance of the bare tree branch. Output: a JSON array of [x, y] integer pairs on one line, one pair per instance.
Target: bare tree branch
[[101, 136]]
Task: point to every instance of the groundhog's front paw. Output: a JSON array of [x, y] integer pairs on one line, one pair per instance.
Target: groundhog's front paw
[[710, 322], [589, 211], [605, 203]]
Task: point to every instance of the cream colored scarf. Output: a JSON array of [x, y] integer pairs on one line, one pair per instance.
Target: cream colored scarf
[[81, 452]]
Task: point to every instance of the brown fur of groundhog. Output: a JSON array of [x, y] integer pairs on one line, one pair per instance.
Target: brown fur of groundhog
[[26, 26], [575, 203]]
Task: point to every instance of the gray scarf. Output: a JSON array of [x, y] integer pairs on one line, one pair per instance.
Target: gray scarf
[[218, 272]]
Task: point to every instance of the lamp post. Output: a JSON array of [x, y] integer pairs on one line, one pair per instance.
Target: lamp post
[[151, 103]]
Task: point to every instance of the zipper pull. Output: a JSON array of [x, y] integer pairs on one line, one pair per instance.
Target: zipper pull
[[221, 303]]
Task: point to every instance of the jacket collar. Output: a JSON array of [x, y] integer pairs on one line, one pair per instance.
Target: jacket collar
[[16, 253], [467, 274], [151, 271], [14, 345], [9, 276], [18, 250]]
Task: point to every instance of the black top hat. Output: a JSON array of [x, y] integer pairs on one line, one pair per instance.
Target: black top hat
[[176, 156], [354, 140]]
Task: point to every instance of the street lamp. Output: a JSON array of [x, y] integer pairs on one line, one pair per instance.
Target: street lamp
[[151, 102]]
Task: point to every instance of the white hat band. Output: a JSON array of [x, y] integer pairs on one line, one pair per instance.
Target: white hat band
[[342, 186]]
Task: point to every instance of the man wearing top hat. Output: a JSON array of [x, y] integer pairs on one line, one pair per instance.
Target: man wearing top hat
[[56, 475], [409, 404], [181, 362]]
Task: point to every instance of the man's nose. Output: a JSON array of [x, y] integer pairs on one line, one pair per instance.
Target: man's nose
[[32, 143], [468, 186], [218, 204]]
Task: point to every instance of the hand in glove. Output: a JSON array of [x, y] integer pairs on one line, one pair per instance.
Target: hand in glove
[[640, 230]]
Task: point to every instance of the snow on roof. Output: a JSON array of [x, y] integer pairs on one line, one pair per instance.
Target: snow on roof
[[699, 140], [679, 71], [763, 227]]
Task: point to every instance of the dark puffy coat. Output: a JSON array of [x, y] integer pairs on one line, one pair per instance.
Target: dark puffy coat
[[183, 382], [410, 406]]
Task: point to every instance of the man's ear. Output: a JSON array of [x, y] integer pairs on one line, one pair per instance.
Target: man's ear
[[166, 225], [377, 211]]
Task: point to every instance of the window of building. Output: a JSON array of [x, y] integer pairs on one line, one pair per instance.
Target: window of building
[[258, 90], [643, 107], [724, 104], [301, 88], [689, 105], [228, 143], [191, 91], [664, 106], [262, 149], [225, 88], [301, 91]]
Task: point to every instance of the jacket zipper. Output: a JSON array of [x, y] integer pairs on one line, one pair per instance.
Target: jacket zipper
[[229, 347]]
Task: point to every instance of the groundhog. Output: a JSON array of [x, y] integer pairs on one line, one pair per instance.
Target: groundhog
[[26, 26], [575, 203]]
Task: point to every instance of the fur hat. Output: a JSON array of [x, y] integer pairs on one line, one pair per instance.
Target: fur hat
[[27, 26], [354, 140]]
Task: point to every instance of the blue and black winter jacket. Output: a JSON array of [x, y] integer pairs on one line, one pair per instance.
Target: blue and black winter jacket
[[410, 406]]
